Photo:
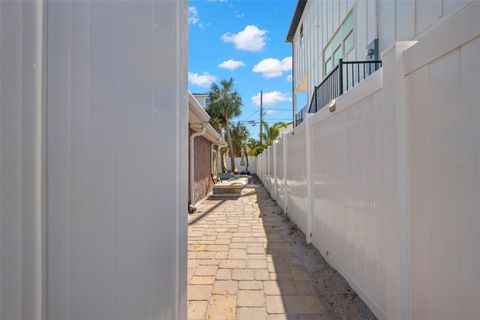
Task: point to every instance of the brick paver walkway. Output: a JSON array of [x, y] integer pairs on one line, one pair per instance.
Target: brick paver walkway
[[246, 261]]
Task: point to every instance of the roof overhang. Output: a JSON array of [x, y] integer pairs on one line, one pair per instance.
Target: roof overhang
[[198, 119], [212, 135], [296, 19]]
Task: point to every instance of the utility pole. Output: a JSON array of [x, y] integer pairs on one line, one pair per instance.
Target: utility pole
[[261, 115]]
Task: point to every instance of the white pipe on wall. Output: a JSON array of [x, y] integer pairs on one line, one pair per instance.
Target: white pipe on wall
[[212, 161], [192, 159]]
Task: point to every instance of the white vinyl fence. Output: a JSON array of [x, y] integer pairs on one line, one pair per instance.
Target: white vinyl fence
[[387, 187], [93, 184], [252, 164]]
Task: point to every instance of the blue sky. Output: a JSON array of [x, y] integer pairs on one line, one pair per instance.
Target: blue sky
[[248, 37]]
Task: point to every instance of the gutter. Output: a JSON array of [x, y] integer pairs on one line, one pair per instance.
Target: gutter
[[191, 208]]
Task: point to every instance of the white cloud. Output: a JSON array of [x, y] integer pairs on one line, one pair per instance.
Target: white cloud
[[271, 98], [271, 67], [231, 64], [269, 112], [201, 80], [193, 15], [238, 14], [250, 39], [193, 18], [289, 78]]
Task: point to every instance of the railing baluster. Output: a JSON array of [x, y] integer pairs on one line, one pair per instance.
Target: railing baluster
[[358, 73], [346, 73], [333, 87], [353, 75]]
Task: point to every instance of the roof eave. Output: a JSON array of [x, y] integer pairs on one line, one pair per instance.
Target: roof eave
[[296, 20]]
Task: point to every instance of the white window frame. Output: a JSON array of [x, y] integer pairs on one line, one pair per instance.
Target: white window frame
[[331, 56]]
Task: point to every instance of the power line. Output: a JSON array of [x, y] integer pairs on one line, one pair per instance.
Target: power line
[[250, 115], [279, 109], [257, 122]]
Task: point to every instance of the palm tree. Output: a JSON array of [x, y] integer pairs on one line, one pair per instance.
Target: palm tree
[[216, 120], [271, 133], [254, 147], [225, 103], [240, 135]]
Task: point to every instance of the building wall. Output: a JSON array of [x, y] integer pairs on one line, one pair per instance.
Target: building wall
[[22, 189], [203, 168], [92, 178], [202, 99], [389, 21]]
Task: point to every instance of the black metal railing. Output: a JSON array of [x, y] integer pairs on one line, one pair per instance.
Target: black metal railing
[[300, 115], [344, 76]]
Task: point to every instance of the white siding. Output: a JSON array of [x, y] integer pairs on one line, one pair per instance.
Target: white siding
[[111, 224], [22, 270], [398, 20], [116, 192], [92, 177]]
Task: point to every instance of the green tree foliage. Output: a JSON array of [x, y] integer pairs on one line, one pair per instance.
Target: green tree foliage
[[240, 135], [254, 147], [271, 133], [225, 103]]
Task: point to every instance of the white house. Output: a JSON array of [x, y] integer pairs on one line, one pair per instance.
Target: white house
[[204, 144], [202, 98], [321, 32], [93, 160]]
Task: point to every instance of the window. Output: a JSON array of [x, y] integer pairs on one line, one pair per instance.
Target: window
[[207, 101], [301, 33], [340, 45]]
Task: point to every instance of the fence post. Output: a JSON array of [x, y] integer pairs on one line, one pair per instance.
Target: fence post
[[398, 221], [269, 174], [309, 180], [265, 175], [285, 159], [275, 183]]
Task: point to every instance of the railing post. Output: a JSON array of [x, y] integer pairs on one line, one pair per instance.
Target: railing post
[[340, 76], [315, 97]]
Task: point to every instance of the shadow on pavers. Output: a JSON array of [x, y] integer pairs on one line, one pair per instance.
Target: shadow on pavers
[[310, 288]]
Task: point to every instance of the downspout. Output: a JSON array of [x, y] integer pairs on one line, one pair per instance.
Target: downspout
[[212, 150], [191, 208]]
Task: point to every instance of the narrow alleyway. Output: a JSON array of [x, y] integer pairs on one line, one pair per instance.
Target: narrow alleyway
[[247, 261]]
